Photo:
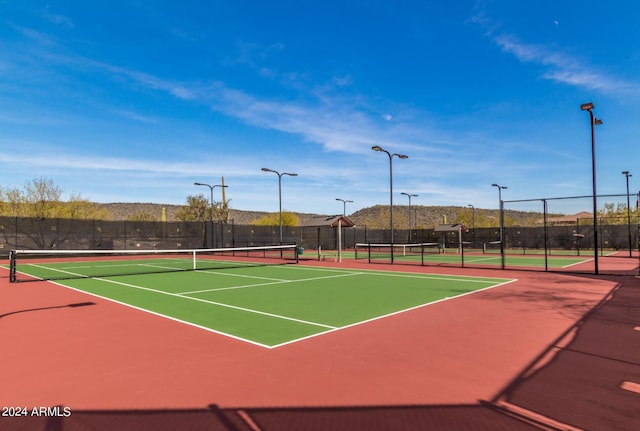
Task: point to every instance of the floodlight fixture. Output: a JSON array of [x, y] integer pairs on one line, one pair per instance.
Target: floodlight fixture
[[410, 195], [593, 121], [344, 205], [280, 191], [211, 187], [587, 106], [391, 156]]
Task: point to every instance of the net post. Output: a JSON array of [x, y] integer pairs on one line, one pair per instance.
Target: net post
[[12, 266], [194, 260]]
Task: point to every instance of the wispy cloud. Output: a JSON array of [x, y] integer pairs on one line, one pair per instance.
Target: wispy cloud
[[558, 65], [176, 89], [36, 155], [38, 37], [563, 67], [60, 20], [322, 115], [333, 123]]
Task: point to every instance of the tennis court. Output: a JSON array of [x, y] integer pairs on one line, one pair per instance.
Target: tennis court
[[266, 304], [261, 340], [432, 253]]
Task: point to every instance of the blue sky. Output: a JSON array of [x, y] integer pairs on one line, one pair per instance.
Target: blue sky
[[134, 101]]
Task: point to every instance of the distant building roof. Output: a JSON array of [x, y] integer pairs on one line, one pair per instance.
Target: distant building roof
[[328, 221], [455, 227]]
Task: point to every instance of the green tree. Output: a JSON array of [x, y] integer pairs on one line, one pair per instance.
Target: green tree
[[221, 211], [616, 213], [41, 198], [82, 209], [142, 216], [13, 204], [196, 209], [273, 219]]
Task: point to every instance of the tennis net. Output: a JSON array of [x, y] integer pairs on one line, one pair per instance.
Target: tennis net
[[30, 265], [406, 252]]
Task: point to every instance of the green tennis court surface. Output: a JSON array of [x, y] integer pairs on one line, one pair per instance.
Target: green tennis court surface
[[268, 305], [532, 260]]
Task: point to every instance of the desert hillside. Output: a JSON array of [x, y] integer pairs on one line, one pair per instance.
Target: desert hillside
[[376, 216]]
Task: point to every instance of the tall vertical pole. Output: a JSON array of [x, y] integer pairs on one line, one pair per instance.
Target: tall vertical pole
[[593, 122], [595, 195], [391, 202], [213, 245], [280, 192], [627, 174], [211, 236], [391, 156], [280, 203], [500, 188], [344, 214], [409, 195]]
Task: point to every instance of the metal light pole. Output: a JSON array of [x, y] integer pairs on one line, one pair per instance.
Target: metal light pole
[[593, 121], [211, 187], [344, 205], [391, 156], [342, 232], [280, 192], [500, 188], [409, 196], [627, 174], [473, 223]]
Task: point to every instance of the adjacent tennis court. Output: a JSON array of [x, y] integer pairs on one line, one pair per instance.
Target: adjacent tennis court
[[264, 304], [433, 253]]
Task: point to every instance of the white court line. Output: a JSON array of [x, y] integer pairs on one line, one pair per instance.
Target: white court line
[[216, 289], [144, 310], [228, 274], [405, 310], [424, 275], [328, 327], [110, 265], [435, 277], [576, 263], [233, 287], [249, 310]]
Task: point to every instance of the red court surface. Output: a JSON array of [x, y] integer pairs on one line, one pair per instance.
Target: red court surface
[[503, 358]]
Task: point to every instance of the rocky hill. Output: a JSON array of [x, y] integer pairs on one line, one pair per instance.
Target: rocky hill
[[124, 211], [374, 217], [431, 216]]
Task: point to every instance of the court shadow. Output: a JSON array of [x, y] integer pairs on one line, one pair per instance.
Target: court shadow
[[578, 382], [478, 417], [29, 310], [588, 377]]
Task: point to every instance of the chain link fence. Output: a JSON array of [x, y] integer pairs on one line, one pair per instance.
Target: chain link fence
[[547, 231], [68, 234]]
